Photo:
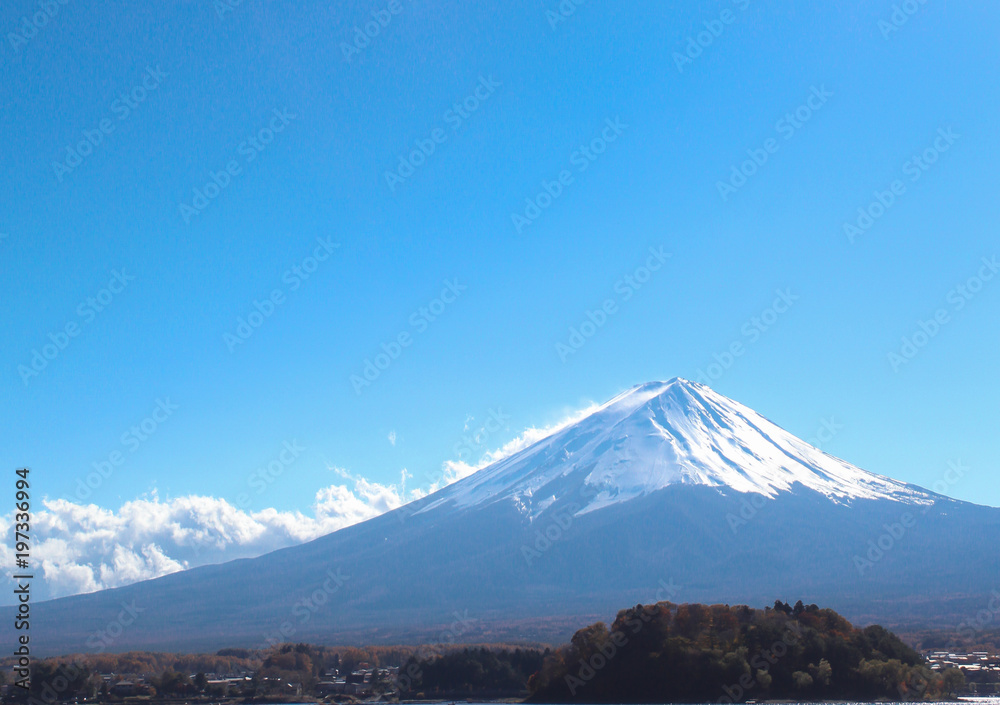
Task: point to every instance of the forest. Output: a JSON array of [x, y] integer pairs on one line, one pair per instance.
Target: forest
[[717, 653]]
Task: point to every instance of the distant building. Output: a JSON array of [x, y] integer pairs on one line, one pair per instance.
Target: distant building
[[124, 688]]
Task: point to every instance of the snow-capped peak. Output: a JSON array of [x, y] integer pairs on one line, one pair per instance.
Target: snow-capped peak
[[667, 433]]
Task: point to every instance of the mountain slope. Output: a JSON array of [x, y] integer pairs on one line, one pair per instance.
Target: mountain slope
[[669, 491]]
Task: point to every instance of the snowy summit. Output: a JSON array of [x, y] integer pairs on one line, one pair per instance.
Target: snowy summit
[[667, 433]]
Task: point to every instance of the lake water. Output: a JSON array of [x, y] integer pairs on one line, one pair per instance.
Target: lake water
[[970, 699], [983, 700], [974, 700]]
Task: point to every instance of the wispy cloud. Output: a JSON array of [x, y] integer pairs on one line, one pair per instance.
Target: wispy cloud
[[455, 470]]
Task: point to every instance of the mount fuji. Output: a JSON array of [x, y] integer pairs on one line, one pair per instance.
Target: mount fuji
[[668, 491]]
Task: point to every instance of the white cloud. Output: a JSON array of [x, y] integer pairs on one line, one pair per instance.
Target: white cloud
[[392, 437], [81, 548], [454, 470]]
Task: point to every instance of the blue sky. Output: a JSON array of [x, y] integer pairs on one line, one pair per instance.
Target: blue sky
[[262, 99]]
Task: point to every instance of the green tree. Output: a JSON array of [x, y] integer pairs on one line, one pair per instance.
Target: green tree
[[821, 673], [954, 681], [174, 682], [802, 680], [764, 679]]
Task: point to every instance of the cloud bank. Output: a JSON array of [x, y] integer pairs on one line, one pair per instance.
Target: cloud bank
[[80, 548]]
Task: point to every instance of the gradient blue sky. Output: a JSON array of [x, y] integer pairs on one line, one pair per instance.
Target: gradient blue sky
[[323, 176]]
